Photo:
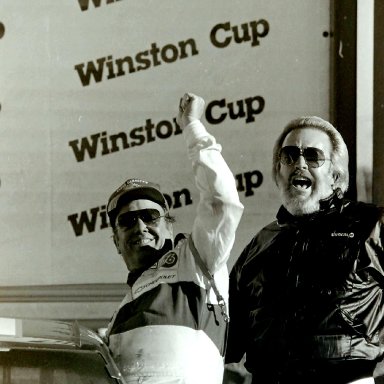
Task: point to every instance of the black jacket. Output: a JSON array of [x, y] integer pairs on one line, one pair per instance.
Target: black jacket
[[306, 295]]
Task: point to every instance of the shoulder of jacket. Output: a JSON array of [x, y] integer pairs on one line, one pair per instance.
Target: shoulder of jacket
[[367, 214], [361, 210]]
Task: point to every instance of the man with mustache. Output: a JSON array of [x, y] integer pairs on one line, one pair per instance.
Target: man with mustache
[[171, 326], [306, 294]]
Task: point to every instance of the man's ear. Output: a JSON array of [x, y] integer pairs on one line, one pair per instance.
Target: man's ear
[[170, 229], [276, 173], [116, 242], [336, 176]]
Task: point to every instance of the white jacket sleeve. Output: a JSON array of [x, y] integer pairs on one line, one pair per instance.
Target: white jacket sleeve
[[219, 209]]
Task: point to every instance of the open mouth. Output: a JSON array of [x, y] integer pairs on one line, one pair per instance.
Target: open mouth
[[301, 182], [142, 241]]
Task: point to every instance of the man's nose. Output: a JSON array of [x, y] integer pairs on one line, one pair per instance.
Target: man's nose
[[300, 162], [140, 224]]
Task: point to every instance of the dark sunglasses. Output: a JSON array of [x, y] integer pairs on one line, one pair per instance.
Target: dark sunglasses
[[149, 216], [314, 157]]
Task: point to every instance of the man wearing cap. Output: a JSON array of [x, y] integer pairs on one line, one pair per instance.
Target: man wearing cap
[[171, 326]]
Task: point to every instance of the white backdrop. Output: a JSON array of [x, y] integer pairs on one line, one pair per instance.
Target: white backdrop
[[65, 96]]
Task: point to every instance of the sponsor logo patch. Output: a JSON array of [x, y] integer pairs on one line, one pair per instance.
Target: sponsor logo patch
[[343, 234], [170, 260]]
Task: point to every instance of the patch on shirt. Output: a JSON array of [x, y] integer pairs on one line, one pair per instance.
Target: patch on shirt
[[143, 285], [169, 260], [164, 273]]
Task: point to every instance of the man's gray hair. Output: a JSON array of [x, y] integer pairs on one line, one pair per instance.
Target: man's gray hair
[[339, 155]]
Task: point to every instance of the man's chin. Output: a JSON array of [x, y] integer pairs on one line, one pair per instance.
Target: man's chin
[[299, 204], [300, 193], [147, 257]]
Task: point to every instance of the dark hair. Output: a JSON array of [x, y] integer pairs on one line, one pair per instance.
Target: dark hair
[[339, 155]]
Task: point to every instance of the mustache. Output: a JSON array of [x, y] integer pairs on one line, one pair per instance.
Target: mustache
[[298, 173]]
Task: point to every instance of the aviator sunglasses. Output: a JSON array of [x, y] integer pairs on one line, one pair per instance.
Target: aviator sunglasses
[[149, 216], [314, 157]]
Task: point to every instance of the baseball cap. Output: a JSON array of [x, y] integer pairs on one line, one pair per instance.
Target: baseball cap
[[133, 189]]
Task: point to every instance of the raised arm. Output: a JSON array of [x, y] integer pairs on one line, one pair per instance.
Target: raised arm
[[219, 209]]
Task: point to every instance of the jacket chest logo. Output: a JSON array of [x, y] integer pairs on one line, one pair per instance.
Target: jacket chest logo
[[351, 235]]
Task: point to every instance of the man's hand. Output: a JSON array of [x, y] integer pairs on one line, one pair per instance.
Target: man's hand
[[191, 108], [368, 380]]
